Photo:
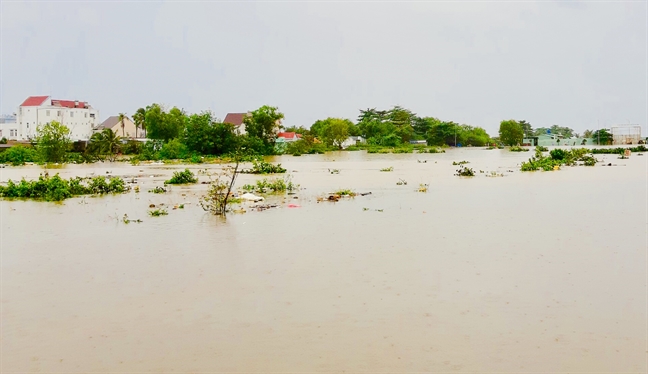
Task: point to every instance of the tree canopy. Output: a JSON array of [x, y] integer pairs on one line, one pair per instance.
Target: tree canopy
[[53, 141], [511, 132]]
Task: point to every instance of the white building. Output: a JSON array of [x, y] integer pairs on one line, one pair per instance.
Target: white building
[[78, 116], [8, 128]]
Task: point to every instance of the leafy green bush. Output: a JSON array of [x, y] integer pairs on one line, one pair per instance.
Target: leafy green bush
[[455, 163], [542, 149], [173, 150], [619, 150], [19, 155], [557, 154], [262, 167], [465, 172], [182, 177], [132, 147], [158, 212], [558, 157], [271, 185], [516, 148], [56, 188]]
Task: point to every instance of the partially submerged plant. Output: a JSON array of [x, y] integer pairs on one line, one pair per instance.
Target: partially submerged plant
[[349, 193], [262, 167], [423, 187], [517, 148], [219, 194], [401, 182], [182, 177], [158, 189], [465, 172], [57, 189], [334, 171], [455, 163], [158, 212], [391, 168]]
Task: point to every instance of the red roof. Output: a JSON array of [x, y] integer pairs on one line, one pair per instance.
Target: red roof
[[34, 101], [69, 103], [235, 119], [288, 135]]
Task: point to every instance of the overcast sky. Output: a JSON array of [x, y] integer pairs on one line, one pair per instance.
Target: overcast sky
[[564, 63]]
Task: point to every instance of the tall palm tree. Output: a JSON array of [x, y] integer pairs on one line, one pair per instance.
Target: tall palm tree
[[122, 117], [139, 119], [105, 143]]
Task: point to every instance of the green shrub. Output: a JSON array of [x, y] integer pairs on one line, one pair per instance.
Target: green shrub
[[173, 150], [262, 167], [19, 155], [557, 154], [182, 177], [56, 188], [516, 148], [465, 172], [542, 149]]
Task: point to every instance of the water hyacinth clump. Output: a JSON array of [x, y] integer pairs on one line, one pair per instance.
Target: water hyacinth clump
[[262, 167]]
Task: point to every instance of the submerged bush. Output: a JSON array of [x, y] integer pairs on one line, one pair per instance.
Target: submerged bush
[[262, 167], [182, 177], [271, 185], [465, 172], [516, 148], [557, 158], [542, 149], [619, 150], [19, 155], [56, 188]]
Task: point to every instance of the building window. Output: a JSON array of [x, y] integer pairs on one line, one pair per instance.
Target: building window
[[92, 115], [47, 113], [71, 114], [58, 113], [86, 115], [20, 111]]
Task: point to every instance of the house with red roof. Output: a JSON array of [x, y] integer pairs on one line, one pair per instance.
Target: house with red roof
[[236, 119], [80, 117], [288, 137]]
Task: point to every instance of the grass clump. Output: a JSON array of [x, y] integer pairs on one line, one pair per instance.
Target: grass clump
[[345, 193], [455, 163], [391, 168], [517, 148], [158, 189], [57, 189], [432, 150], [262, 167], [182, 177], [542, 149]]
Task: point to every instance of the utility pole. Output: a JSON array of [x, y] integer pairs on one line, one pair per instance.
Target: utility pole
[[598, 133], [455, 136]]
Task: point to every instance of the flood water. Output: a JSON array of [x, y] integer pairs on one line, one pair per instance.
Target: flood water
[[530, 272]]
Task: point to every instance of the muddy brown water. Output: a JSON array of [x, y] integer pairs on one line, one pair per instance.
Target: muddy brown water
[[530, 272]]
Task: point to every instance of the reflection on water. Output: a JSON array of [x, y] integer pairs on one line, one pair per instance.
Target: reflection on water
[[541, 272]]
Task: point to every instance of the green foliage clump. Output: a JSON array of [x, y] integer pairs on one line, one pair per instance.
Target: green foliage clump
[[53, 141], [465, 172], [516, 148], [345, 192], [173, 150], [158, 212], [542, 149], [432, 150], [391, 168], [511, 132], [182, 177], [455, 163], [557, 158], [19, 155], [56, 188], [271, 185], [619, 150], [262, 167], [158, 189]]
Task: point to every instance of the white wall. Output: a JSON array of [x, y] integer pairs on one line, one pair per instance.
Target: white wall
[[9, 130], [78, 120]]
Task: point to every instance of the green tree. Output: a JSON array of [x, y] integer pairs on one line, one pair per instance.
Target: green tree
[[104, 144], [162, 125], [298, 130], [264, 124], [53, 141], [139, 119], [205, 135], [527, 128], [444, 133], [588, 133], [423, 125], [511, 132], [123, 117], [336, 131], [602, 136]]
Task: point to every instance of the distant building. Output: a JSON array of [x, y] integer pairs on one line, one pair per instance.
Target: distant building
[[626, 134], [353, 140], [113, 123], [236, 119], [288, 137], [78, 116], [8, 127]]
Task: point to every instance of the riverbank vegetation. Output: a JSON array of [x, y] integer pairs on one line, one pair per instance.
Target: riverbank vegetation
[[557, 158]]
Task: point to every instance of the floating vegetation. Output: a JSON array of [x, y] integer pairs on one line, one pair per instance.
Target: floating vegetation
[[349, 193], [455, 163], [334, 171], [262, 167], [182, 177], [432, 150], [516, 148], [423, 187], [541, 148], [619, 150], [401, 182], [465, 172], [391, 168], [158, 189], [57, 189], [158, 212], [271, 185], [127, 220], [557, 158]]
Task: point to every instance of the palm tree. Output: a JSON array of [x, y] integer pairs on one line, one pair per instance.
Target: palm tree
[[139, 118], [105, 143], [122, 117]]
